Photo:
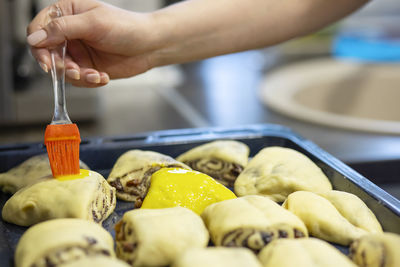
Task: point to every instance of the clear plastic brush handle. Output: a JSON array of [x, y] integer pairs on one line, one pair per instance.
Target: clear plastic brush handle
[[58, 76]]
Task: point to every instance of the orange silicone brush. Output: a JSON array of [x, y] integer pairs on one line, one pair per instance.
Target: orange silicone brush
[[61, 137]]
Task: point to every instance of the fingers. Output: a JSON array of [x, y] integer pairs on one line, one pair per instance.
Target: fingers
[[77, 76], [60, 29], [66, 19], [87, 77]]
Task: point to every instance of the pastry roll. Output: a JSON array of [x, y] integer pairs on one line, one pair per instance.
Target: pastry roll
[[155, 237], [276, 172], [28, 172], [61, 241], [376, 250], [223, 160], [217, 257], [96, 261], [87, 197], [303, 252], [132, 172], [251, 221], [354, 210], [322, 219]]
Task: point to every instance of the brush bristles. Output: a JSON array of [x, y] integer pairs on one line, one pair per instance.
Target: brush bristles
[[62, 142], [63, 157]]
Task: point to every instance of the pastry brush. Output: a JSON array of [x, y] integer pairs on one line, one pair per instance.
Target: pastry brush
[[61, 137]]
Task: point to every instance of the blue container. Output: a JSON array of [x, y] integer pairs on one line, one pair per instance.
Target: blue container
[[367, 46]]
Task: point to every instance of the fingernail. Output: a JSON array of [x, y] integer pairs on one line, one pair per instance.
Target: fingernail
[[73, 74], [93, 78], [44, 67], [37, 37], [105, 79]]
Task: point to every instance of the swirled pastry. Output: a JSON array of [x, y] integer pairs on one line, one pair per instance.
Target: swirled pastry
[[217, 257], [223, 160], [322, 218], [28, 172], [61, 241], [96, 261], [132, 172], [354, 210], [302, 252], [88, 197], [376, 250], [250, 221], [155, 237], [276, 172]]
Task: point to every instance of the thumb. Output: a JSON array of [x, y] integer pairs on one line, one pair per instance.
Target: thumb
[[60, 29]]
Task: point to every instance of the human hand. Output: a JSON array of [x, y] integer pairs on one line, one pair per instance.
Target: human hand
[[103, 41]]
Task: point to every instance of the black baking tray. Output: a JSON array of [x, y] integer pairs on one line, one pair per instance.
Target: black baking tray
[[100, 155]]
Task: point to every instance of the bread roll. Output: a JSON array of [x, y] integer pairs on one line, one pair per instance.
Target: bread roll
[[251, 221], [61, 241], [276, 172], [132, 172], [302, 252], [223, 160], [90, 198], [376, 250], [155, 237], [28, 172], [322, 218], [217, 257]]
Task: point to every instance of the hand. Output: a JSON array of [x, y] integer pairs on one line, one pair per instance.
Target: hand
[[106, 42], [103, 41]]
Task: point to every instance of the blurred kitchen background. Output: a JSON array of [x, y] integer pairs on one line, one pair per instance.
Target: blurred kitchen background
[[339, 87]]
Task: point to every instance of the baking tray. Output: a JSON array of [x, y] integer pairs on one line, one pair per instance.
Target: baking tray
[[101, 153]]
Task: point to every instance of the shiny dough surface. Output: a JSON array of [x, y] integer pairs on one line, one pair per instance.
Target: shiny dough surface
[[277, 171], [61, 241], [90, 198]]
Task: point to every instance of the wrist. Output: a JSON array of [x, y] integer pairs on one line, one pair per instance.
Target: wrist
[[163, 35]]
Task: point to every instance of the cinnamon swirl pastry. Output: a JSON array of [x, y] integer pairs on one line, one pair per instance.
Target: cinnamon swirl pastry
[[277, 171], [217, 257], [62, 241], [250, 221], [88, 197], [223, 160], [28, 172], [96, 261], [302, 252], [376, 250], [354, 210], [132, 172], [155, 237], [323, 219]]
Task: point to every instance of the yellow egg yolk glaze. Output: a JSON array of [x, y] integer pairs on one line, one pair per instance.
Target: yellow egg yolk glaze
[[82, 174], [171, 187]]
